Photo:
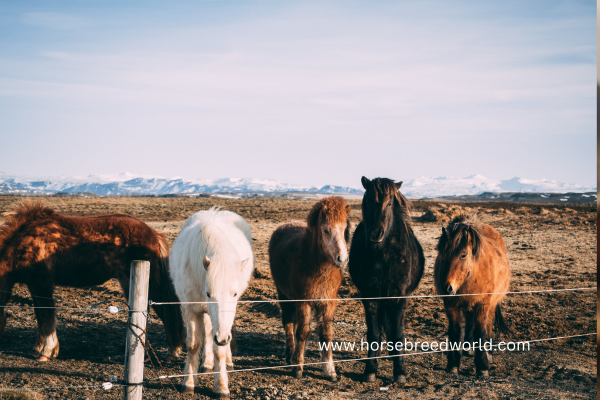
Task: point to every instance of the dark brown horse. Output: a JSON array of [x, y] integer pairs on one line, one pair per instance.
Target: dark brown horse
[[386, 260], [471, 259], [42, 249], [306, 259]]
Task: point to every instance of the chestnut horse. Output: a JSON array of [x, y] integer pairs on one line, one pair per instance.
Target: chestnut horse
[[471, 259], [386, 260], [306, 259], [42, 249]]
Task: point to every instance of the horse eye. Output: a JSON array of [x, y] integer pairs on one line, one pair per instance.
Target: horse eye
[[389, 204], [326, 231], [207, 295], [235, 295], [463, 256]]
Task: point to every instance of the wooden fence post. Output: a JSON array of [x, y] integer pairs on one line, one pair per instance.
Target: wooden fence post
[[136, 327]]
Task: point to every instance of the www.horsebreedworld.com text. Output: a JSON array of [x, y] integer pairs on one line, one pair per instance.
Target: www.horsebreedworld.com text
[[424, 346]]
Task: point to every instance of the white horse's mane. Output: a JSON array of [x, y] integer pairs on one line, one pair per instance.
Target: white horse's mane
[[209, 238]]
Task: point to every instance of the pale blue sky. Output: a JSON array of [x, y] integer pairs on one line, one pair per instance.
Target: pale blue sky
[[307, 92]]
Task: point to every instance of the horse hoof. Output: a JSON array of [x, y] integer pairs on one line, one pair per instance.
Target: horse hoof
[[484, 374], [222, 395], [453, 371], [370, 378], [298, 374], [43, 359], [187, 390], [333, 378], [230, 367], [204, 370], [400, 379]]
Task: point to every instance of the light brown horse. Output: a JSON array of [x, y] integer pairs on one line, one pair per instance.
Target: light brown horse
[[471, 259], [41, 249], [306, 259]]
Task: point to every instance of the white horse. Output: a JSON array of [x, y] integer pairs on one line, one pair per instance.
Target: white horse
[[211, 261]]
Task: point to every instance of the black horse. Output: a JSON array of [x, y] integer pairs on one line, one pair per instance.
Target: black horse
[[386, 260]]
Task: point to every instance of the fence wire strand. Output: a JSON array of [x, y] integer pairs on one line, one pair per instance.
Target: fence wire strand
[[379, 298], [355, 359]]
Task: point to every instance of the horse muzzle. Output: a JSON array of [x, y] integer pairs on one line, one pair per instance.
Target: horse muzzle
[[341, 263], [450, 290], [224, 342], [376, 236]]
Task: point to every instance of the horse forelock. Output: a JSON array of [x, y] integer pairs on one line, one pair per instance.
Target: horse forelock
[[22, 212], [334, 210], [224, 258], [457, 234], [385, 190]]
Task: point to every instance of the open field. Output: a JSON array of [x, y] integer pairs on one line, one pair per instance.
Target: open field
[[551, 246]]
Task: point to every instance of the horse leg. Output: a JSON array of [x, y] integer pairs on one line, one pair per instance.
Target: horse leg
[[195, 330], [288, 317], [47, 346], [373, 337], [454, 336], [481, 331], [229, 358], [221, 384], [5, 293], [396, 314], [468, 333], [325, 313], [208, 355], [303, 313]]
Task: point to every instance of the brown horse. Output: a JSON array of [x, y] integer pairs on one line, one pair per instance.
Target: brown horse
[[471, 259], [41, 249], [306, 259]]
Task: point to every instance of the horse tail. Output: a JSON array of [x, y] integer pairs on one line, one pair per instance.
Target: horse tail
[[500, 322], [173, 319]]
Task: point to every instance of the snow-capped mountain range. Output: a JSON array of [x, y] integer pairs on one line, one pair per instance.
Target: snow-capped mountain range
[[135, 184]]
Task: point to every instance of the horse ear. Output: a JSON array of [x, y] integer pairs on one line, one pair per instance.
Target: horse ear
[[313, 216], [206, 262], [244, 263], [398, 185], [365, 182]]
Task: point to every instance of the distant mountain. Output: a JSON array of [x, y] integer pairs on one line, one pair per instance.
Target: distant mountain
[[131, 184], [477, 184]]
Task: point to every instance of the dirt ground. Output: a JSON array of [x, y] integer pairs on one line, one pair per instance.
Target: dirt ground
[[550, 247]]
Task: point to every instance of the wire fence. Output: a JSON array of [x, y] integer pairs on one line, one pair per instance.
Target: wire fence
[[377, 298], [355, 359], [110, 385], [114, 381]]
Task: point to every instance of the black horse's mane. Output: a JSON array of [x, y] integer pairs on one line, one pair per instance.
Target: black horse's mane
[[385, 188]]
